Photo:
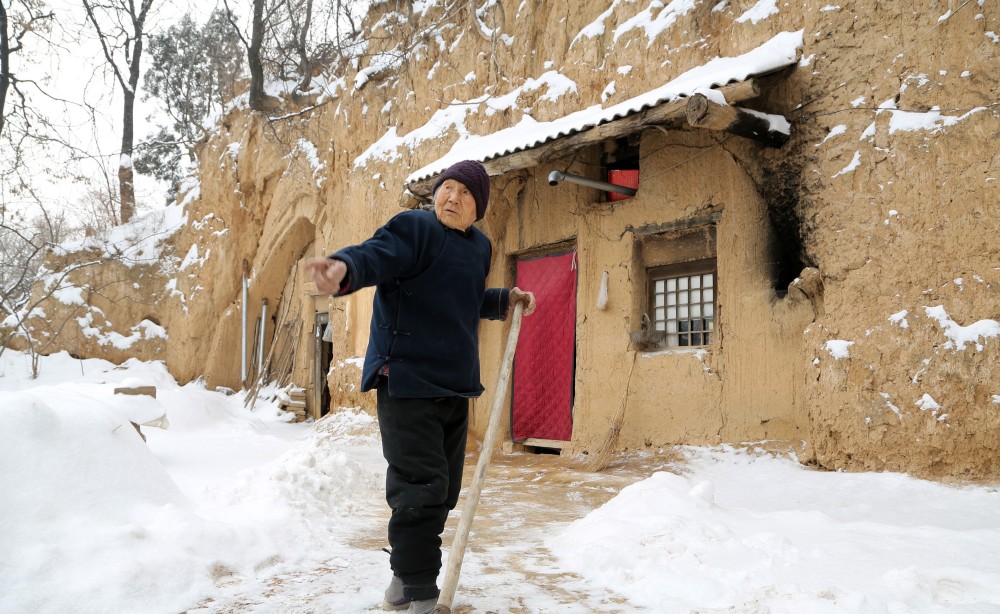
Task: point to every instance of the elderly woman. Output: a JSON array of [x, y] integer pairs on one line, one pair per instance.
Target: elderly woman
[[429, 270]]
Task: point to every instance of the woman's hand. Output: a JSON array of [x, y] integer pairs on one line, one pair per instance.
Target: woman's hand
[[528, 298], [327, 274]]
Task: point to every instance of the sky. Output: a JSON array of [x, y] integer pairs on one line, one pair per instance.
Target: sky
[[74, 77], [231, 509]]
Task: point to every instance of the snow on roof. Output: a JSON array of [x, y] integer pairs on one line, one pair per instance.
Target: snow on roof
[[779, 52]]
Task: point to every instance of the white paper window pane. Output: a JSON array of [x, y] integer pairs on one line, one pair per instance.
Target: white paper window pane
[[711, 324], [671, 340], [682, 283], [671, 326], [709, 280], [708, 295], [660, 326], [659, 300], [683, 312], [660, 314], [672, 298], [696, 296], [709, 310], [696, 311], [682, 298], [696, 282], [671, 285], [659, 286], [671, 313]]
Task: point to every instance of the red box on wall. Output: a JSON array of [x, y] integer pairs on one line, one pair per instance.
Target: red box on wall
[[624, 177]]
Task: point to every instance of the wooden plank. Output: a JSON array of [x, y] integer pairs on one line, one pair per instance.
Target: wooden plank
[[149, 391], [704, 113], [544, 443]]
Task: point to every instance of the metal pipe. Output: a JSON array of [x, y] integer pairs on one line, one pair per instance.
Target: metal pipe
[[243, 354], [556, 176], [263, 327]]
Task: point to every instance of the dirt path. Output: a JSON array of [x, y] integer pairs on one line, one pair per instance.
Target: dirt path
[[527, 498], [507, 568]]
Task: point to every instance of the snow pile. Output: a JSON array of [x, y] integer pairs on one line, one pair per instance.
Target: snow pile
[[137, 242], [232, 510], [746, 533], [85, 501], [93, 521], [146, 329]]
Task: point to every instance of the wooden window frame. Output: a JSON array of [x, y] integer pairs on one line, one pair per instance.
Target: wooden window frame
[[707, 330]]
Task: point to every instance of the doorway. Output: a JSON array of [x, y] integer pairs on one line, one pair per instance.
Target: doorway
[[322, 355], [545, 362]]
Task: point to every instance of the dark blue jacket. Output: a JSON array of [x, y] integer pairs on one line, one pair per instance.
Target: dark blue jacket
[[430, 295]]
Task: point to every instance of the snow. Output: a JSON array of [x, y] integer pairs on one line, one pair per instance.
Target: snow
[[932, 120], [192, 259], [652, 24], [596, 28], [927, 403], [777, 123], [308, 149], [834, 132], [838, 348], [717, 536], [853, 164], [899, 319], [237, 510], [139, 241], [69, 295], [889, 404], [958, 335], [608, 92], [758, 12], [780, 50]]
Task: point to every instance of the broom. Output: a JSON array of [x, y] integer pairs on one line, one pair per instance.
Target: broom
[[599, 459], [458, 544]]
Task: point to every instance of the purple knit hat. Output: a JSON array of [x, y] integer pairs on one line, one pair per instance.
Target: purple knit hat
[[473, 175]]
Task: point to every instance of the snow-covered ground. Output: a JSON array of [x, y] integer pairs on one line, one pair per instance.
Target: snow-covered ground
[[230, 510]]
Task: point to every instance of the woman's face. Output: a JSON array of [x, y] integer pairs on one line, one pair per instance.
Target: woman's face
[[454, 205]]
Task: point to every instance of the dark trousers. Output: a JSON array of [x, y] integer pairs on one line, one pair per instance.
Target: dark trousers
[[423, 440]]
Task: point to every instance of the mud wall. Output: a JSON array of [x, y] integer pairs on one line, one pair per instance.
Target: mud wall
[[884, 359]]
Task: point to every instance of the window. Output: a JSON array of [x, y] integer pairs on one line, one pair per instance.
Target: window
[[682, 303]]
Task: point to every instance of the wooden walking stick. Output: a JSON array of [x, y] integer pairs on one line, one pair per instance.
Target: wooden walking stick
[[457, 552]]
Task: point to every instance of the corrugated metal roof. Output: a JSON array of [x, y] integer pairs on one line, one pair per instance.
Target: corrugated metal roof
[[779, 52]]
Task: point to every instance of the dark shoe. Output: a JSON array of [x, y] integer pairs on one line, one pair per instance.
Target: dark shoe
[[422, 606], [394, 598]]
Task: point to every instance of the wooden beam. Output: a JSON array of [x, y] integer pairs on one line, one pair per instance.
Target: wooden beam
[[670, 112], [704, 113]]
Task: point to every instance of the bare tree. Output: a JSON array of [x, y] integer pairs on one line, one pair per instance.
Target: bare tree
[[23, 18], [259, 100], [21, 126], [120, 25]]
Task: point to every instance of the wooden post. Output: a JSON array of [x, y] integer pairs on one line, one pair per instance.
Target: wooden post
[[461, 539], [704, 113]]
